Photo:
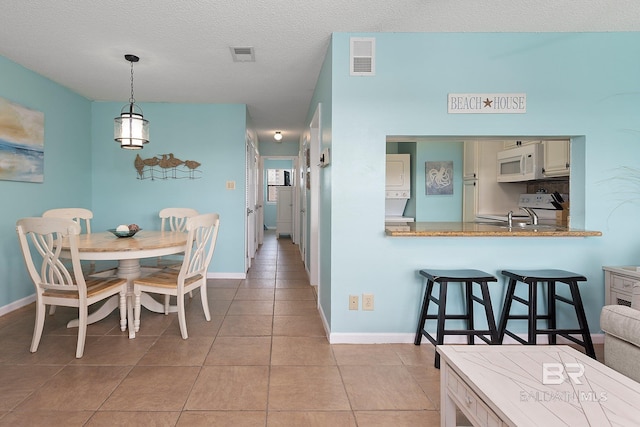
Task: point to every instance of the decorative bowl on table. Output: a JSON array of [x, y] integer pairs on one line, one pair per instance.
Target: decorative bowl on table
[[125, 230]]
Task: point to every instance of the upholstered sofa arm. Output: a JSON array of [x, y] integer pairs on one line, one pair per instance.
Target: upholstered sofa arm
[[622, 322]]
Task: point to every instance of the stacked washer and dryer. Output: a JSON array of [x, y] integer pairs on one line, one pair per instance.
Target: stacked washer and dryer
[[398, 189]]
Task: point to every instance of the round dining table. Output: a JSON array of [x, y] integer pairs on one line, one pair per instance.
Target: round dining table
[[128, 251]]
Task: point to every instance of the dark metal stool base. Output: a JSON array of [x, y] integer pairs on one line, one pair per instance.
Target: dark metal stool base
[[531, 278], [468, 277]]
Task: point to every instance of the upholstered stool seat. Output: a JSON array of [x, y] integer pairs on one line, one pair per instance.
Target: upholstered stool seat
[[531, 278], [468, 278]]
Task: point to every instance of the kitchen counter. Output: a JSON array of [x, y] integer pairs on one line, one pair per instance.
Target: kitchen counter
[[482, 229]]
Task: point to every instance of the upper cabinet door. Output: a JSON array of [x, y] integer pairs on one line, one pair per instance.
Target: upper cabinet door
[[470, 160], [557, 157]]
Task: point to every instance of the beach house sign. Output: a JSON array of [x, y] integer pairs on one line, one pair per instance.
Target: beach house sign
[[487, 103]]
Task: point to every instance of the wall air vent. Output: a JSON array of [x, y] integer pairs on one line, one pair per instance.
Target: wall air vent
[[242, 54], [362, 61]]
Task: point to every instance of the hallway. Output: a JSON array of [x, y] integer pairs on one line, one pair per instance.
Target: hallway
[[263, 360]]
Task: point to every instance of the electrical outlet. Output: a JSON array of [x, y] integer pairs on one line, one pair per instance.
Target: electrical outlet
[[353, 302], [367, 302]]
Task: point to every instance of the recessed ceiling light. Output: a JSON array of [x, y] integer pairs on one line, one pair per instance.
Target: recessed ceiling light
[[278, 136]]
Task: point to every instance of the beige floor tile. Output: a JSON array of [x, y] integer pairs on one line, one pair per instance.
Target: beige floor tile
[[366, 354], [236, 388], [257, 283], [222, 418], [175, 351], [240, 351], [398, 418], [247, 326], [138, 419], [301, 351], [19, 381], [295, 294], [311, 419], [49, 418], [291, 275], [296, 308], [153, 388], [256, 294], [223, 283], [306, 388], [76, 388], [428, 378], [115, 350], [197, 325], [383, 388], [53, 350], [221, 294], [298, 326], [250, 308], [292, 283], [265, 274], [415, 355]]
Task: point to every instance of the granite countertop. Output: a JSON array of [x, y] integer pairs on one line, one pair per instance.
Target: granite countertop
[[482, 229]]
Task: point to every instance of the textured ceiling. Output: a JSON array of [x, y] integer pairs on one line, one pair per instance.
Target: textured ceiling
[[184, 45]]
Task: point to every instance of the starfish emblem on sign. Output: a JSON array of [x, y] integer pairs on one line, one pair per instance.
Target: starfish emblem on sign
[[487, 103]]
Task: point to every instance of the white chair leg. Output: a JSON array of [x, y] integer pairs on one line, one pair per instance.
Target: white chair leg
[[39, 325], [136, 309], [52, 310], [82, 330], [123, 311], [205, 302], [181, 317], [166, 304]]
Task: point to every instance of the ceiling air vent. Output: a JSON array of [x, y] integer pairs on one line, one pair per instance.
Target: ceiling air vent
[[362, 58], [242, 54]]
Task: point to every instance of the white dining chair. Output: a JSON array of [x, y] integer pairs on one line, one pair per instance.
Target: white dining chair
[[83, 217], [201, 241], [41, 241]]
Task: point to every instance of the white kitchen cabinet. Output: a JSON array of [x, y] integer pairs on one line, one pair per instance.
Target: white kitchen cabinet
[[513, 143], [284, 211], [470, 160], [556, 157], [469, 200]]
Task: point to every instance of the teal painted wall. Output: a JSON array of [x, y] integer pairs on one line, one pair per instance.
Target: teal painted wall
[[213, 135], [67, 167], [584, 85]]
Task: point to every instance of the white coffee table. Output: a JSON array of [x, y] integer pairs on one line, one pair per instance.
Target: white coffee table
[[517, 385]]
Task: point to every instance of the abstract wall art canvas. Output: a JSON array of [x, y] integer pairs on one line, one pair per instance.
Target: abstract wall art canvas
[[21, 143], [439, 178]]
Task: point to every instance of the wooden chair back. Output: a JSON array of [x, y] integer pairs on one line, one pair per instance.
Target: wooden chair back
[[176, 218], [79, 215]]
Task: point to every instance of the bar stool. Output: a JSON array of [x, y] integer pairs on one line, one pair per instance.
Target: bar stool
[[468, 277], [531, 278]]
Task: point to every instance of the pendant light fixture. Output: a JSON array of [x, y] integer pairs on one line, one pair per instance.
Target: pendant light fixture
[[131, 129]]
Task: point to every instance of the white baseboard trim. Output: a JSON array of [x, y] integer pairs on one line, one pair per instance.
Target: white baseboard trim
[[226, 275], [404, 338], [17, 304]]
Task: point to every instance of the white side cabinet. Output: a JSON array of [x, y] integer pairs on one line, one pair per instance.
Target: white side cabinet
[[619, 284], [557, 157], [284, 211]]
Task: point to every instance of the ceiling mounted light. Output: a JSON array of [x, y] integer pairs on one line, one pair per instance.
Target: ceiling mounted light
[[278, 136], [131, 129]]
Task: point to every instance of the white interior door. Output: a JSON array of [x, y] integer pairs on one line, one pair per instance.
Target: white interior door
[[314, 206], [251, 201], [260, 205], [303, 155]]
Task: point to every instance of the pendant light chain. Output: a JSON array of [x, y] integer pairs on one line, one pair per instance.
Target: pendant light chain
[[132, 99]]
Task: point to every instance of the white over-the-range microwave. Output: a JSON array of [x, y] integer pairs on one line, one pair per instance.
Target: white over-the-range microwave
[[522, 163]]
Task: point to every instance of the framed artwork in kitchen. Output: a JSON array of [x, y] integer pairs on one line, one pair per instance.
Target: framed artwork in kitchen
[[439, 178], [21, 143]]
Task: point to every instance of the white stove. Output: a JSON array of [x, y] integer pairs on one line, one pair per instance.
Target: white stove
[[543, 204]]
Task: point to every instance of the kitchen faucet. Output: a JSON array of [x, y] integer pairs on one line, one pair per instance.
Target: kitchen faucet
[[532, 214]]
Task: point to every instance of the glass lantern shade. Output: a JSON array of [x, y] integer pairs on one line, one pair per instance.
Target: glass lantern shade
[[131, 129]]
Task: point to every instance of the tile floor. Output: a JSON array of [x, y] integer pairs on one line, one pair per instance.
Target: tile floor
[[263, 360]]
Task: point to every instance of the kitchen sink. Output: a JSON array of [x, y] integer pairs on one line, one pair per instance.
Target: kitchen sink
[[525, 226]]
